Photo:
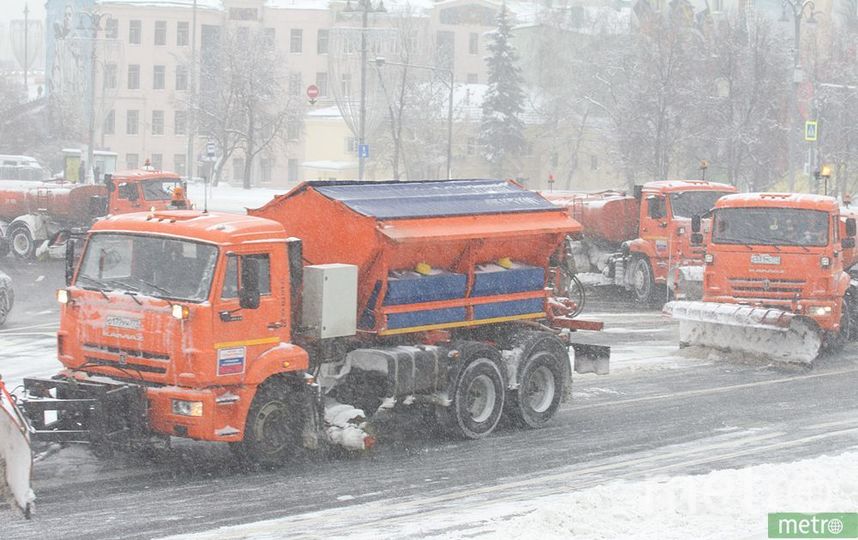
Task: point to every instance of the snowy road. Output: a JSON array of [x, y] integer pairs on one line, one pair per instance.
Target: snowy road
[[658, 414]]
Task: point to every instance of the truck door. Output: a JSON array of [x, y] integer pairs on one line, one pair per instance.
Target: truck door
[[243, 333], [125, 198]]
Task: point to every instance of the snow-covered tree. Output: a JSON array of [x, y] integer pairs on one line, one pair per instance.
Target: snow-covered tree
[[502, 129]]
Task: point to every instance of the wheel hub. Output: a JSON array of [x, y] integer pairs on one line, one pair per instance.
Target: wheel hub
[[481, 398], [540, 389]]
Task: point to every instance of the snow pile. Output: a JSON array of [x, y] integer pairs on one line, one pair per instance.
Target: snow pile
[[731, 503], [722, 504], [227, 198]]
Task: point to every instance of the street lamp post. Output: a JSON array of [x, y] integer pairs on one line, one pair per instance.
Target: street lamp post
[[381, 61], [798, 8], [95, 18], [365, 7]]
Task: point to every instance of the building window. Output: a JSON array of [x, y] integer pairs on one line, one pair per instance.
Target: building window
[[182, 33], [132, 119], [474, 43], [134, 77], [132, 161], [242, 14], [346, 84], [292, 170], [594, 162], [111, 28], [109, 123], [237, 169], [181, 77], [157, 161], [322, 41], [135, 31], [160, 32], [293, 131], [157, 122], [473, 78], [446, 47], [270, 38], [296, 40], [179, 161], [265, 171], [159, 77], [322, 83], [180, 123], [295, 83], [351, 145], [110, 76]]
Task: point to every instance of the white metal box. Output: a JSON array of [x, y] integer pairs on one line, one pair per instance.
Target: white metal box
[[330, 300]]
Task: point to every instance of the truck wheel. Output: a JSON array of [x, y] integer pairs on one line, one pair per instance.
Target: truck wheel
[[642, 281], [838, 340], [477, 397], [272, 433], [4, 247], [540, 389], [21, 241]]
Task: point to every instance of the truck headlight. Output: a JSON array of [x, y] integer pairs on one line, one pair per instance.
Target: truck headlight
[[180, 312], [825, 261], [709, 258], [63, 296], [820, 311], [187, 408]]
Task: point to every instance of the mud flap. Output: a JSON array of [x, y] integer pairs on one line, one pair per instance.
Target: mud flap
[[592, 358], [16, 458]]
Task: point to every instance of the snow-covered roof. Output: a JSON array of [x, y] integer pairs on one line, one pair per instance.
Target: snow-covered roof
[[325, 112]]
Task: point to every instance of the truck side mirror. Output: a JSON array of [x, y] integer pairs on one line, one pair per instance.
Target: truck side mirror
[[696, 239], [695, 223], [637, 192], [655, 207], [848, 243], [248, 296], [69, 260], [850, 226], [108, 181]]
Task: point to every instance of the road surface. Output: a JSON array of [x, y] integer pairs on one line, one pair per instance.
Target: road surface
[[659, 412]]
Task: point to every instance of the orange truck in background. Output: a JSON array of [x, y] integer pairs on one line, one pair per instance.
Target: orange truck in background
[[641, 242], [291, 327], [776, 280], [35, 215]]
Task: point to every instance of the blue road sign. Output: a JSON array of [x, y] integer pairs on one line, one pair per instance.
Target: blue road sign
[[363, 150]]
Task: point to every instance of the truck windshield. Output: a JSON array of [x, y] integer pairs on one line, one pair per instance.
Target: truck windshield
[[770, 226], [687, 204], [160, 190], [148, 265]]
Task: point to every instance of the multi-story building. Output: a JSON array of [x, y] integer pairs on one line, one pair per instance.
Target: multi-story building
[[144, 80]]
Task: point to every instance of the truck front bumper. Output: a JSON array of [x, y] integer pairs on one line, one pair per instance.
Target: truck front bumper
[[210, 414]]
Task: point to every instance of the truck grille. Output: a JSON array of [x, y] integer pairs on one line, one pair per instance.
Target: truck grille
[[126, 359], [745, 287]]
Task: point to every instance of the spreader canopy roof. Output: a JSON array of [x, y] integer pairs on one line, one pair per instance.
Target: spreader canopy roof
[[395, 200]]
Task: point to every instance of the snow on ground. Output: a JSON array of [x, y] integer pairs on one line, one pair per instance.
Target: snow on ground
[[28, 351], [730, 503], [227, 198]]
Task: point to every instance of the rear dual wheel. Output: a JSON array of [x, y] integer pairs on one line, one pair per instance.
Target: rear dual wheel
[[477, 396], [540, 390]]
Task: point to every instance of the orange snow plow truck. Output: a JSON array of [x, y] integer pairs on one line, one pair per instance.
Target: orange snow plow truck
[[641, 242], [290, 328], [776, 281], [34, 215]]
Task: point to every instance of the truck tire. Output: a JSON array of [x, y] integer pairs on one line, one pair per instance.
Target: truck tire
[[838, 341], [21, 241], [477, 396], [642, 281], [5, 246], [272, 432], [540, 390]]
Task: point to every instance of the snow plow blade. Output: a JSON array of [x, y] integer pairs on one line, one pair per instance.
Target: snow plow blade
[[763, 332], [16, 457]]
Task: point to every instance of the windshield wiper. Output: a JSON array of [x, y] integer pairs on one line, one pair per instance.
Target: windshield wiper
[[96, 285], [158, 288]]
